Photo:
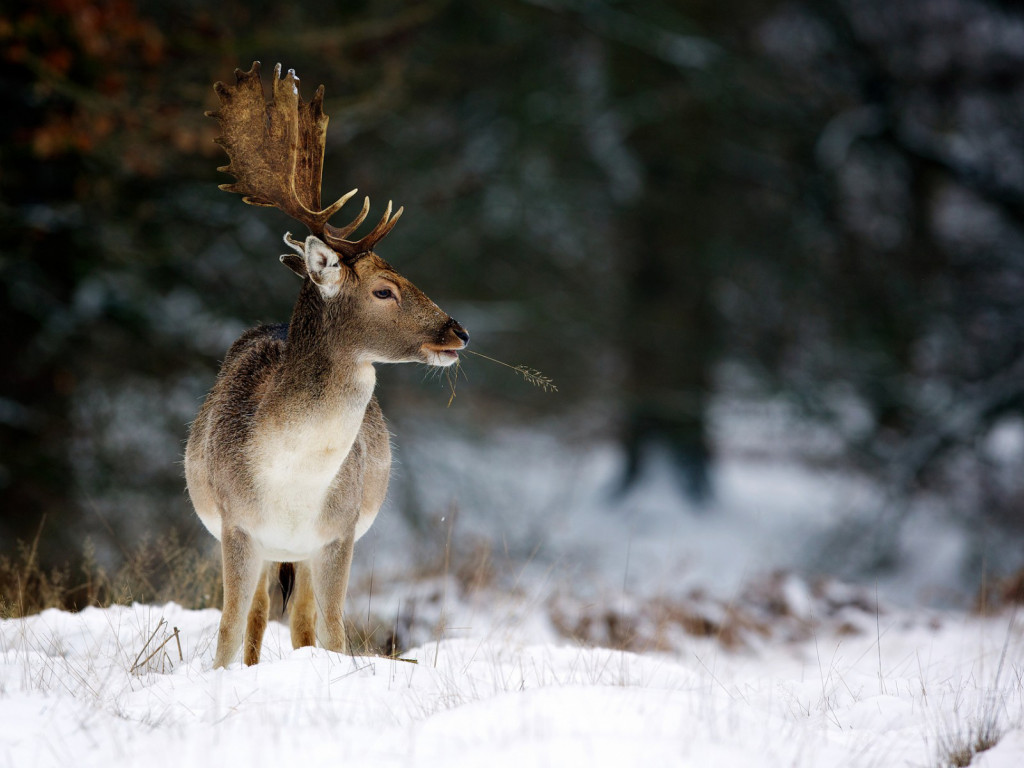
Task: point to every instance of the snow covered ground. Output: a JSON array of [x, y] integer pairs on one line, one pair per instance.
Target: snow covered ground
[[77, 689], [511, 604]]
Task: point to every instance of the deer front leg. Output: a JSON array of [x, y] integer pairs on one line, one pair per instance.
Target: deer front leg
[[242, 568], [330, 583]]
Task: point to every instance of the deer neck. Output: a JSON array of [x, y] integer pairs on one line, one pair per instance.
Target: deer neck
[[323, 376]]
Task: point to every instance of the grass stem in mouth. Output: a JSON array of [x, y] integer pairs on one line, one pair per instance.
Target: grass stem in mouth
[[532, 375]]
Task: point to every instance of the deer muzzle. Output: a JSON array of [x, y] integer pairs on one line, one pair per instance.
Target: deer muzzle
[[451, 339]]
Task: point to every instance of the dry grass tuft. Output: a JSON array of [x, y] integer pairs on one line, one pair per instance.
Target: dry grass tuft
[[160, 570], [958, 749], [995, 596], [780, 606], [374, 636], [655, 625]]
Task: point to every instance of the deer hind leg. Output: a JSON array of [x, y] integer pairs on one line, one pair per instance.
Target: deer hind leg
[[257, 623], [242, 569], [330, 583], [302, 611]]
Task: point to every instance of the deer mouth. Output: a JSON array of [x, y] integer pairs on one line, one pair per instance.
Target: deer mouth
[[439, 355]]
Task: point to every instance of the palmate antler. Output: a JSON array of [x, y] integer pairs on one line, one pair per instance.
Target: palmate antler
[[276, 153]]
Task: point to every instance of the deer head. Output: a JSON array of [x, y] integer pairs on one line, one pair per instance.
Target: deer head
[[276, 151]]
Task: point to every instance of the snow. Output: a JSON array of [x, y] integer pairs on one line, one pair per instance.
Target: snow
[[568, 625], [506, 695]]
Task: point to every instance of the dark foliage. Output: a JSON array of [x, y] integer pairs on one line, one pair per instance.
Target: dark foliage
[[654, 203]]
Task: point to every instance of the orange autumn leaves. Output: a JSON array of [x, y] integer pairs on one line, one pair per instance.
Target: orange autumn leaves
[[97, 74]]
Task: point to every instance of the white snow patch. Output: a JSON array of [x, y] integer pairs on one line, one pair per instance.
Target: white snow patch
[[67, 697]]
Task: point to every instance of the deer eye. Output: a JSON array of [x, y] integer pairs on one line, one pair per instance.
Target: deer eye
[[384, 293]]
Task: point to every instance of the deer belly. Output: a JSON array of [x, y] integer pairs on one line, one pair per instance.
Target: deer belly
[[290, 524], [295, 467]]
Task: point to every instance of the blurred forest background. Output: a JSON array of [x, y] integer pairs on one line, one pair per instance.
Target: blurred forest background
[[810, 206]]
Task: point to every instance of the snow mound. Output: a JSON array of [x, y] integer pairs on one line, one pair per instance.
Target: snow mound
[[110, 687]]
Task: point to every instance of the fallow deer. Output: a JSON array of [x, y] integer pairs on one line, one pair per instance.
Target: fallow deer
[[288, 459]]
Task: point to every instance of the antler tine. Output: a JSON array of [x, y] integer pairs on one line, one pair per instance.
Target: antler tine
[[337, 204], [385, 225], [387, 222], [339, 233]]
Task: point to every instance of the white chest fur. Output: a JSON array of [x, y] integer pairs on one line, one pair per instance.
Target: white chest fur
[[297, 463]]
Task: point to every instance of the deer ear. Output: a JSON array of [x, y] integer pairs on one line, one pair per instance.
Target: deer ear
[[324, 267], [295, 263]]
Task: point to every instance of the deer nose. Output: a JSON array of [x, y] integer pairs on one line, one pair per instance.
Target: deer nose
[[459, 331]]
